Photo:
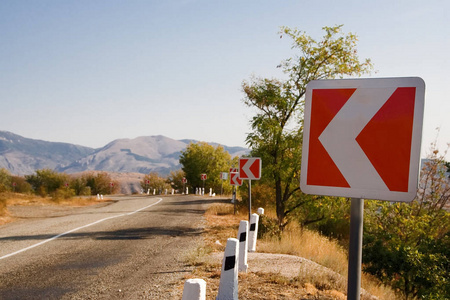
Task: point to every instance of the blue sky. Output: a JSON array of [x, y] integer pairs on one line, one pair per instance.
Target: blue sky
[[88, 72]]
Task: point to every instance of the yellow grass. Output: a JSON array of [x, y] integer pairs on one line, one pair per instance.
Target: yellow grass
[[310, 245]]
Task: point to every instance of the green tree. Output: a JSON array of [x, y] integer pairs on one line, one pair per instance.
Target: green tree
[[277, 126], [154, 181], [46, 181], [202, 158], [99, 183], [175, 179], [20, 184], [78, 185], [5, 180], [407, 245]]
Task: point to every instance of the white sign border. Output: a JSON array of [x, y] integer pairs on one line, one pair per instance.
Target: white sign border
[[415, 143]]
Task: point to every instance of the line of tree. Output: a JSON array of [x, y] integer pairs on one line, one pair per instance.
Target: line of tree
[[47, 182], [155, 182]]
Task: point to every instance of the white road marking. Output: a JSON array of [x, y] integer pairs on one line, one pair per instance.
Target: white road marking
[[76, 229]]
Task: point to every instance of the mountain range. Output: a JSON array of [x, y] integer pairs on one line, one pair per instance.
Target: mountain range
[[144, 154]]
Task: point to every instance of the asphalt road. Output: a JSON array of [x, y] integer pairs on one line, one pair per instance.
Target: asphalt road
[[133, 248]]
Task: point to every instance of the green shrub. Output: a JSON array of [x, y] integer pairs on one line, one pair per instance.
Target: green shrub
[[268, 227]]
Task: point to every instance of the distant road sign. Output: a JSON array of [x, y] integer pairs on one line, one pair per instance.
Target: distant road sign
[[250, 168], [203, 177], [234, 179], [224, 175], [362, 138], [184, 180]]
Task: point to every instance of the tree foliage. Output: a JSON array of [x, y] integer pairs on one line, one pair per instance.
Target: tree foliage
[[46, 181], [277, 126], [99, 183], [175, 179], [5, 180], [202, 158], [407, 245], [155, 182]]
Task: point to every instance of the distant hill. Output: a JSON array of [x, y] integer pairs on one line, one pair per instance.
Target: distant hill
[[21, 155], [140, 155]]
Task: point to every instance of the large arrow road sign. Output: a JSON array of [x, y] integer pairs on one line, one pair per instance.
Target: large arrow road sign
[[362, 138], [250, 168]]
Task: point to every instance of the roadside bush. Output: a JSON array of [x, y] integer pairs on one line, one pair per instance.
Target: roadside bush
[[263, 195], [3, 202], [268, 227], [62, 194], [46, 182], [20, 185], [99, 183], [5, 180], [407, 245]]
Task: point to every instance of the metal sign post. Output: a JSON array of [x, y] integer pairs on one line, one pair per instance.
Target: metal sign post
[[234, 181], [355, 249], [250, 169], [249, 199]]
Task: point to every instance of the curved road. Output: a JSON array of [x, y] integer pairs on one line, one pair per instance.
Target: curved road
[[132, 248]]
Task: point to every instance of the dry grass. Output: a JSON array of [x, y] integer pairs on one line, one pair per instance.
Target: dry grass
[[310, 245], [309, 284], [326, 252]]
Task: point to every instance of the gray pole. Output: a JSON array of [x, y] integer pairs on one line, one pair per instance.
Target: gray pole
[[249, 200], [355, 249]]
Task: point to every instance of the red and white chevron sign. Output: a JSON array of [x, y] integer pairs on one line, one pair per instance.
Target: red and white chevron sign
[[250, 168], [234, 179], [362, 138]]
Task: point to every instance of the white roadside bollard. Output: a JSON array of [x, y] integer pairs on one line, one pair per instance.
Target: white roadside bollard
[[98, 196], [187, 191], [260, 211], [228, 287], [243, 245], [173, 191], [203, 191], [148, 191], [154, 191], [194, 289], [101, 197], [210, 192], [253, 232], [165, 192]]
